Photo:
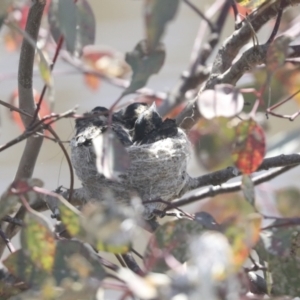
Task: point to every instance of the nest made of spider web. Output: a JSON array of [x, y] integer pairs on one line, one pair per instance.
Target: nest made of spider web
[[156, 171]]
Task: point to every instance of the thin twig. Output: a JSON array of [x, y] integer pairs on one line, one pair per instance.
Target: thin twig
[[64, 150], [286, 222], [107, 263], [132, 264], [276, 26], [56, 139], [37, 127], [201, 14], [15, 221], [120, 260], [53, 139], [7, 241], [137, 253], [237, 19], [14, 108], [38, 106]]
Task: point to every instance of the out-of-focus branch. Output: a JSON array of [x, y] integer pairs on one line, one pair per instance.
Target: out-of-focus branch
[[197, 73], [26, 99], [295, 51]]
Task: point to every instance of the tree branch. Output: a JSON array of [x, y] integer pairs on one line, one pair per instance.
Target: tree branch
[[227, 188], [222, 71], [239, 38], [26, 99], [254, 56], [197, 72], [219, 177]]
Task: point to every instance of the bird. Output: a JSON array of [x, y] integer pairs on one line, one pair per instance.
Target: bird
[[96, 122], [150, 128], [131, 113], [148, 121]]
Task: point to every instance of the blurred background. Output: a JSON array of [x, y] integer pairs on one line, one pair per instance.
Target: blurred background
[[120, 25]]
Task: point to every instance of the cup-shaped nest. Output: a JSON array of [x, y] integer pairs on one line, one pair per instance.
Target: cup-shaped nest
[[156, 171]]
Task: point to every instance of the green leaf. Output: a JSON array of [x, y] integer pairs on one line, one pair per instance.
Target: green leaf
[[74, 21], [64, 266], [248, 189], [157, 14], [213, 142], [280, 248], [4, 4], [19, 264], [99, 225], [8, 203], [143, 65], [9, 200], [45, 71], [70, 217], [104, 226], [172, 238], [37, 239], [277, 53]]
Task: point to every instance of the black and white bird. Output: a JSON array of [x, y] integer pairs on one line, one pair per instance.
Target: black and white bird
[[95, 123], [158, 151]]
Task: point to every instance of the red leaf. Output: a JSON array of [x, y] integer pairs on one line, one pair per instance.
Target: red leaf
[[23, 16], [242, 10], [175, 111], [92, 81], [250, 146], [14, 100], [106, 61]]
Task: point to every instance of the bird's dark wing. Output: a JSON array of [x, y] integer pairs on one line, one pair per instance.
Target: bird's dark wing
[[167, 129]]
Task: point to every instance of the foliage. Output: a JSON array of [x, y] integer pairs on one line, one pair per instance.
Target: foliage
[[197, 256]]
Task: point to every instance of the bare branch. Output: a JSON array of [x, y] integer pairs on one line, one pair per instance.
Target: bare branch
[[14, 108], [276, 26], [240, 37], [132, 264], [7, 241], [227, 188], [252, 57], [201, 14], [219, 177], [38, 127], [38, 106], [197, 73]]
